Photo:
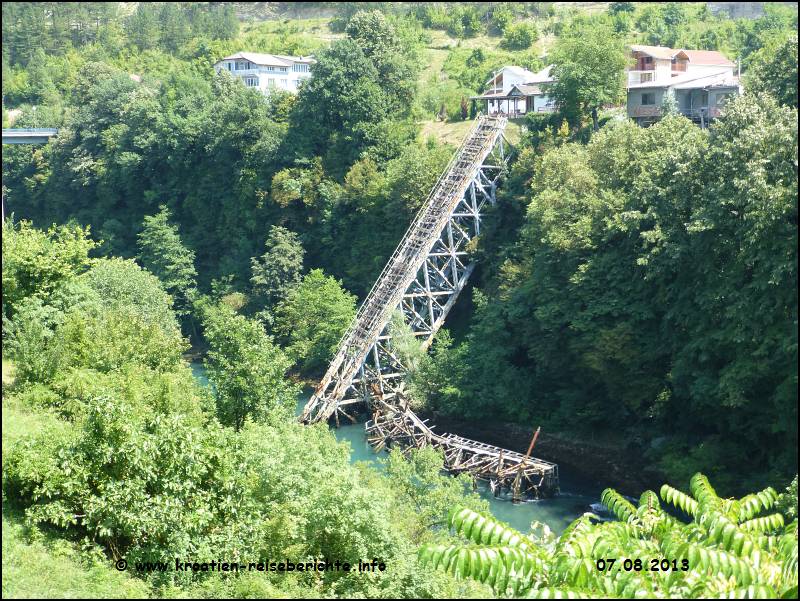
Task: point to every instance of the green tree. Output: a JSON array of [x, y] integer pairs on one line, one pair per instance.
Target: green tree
[[621, 7], [36, 262], [519, 36], [404, 344], [380, 42], [279, 268], [162, 252], [340, 124], [143, 26], [175, 28], [418, 475], [787, 502], [435, 382], [245, 368], [225, 21], [107, 339], [669, 105], [588, 67], [122, 283], [312, 318], [502, 17], [773, 70]]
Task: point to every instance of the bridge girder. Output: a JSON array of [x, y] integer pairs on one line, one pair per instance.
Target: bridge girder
[[425, 287]]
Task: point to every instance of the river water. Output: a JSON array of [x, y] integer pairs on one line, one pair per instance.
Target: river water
[[575, 498]]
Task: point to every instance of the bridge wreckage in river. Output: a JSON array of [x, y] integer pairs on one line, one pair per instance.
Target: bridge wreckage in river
[[422, 280]]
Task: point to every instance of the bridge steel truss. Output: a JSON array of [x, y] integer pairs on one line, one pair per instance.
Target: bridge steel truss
[[420, 282]]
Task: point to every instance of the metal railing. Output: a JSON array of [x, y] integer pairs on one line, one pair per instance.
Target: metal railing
[[44, 131]]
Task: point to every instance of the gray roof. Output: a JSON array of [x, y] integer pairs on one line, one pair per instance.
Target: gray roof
[[530, 89], [271, 60], [691, 81]]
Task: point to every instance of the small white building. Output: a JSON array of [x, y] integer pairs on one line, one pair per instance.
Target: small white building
[[267, 72], [515, 91]]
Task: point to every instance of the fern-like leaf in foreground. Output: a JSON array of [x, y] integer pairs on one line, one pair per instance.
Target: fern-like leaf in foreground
[[725, 550]]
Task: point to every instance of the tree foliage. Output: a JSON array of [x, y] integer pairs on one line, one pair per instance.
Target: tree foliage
[[312, 318], [724, 550], [588, 68], [246, 369], [279, 268], [380, 42], [162, 252], [519, 36], [36, 262], [773, 70]]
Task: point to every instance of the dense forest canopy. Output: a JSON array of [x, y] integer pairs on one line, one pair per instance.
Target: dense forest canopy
[[634, 284]]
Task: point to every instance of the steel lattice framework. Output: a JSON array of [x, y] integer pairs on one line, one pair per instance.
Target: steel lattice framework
[[422, 279]]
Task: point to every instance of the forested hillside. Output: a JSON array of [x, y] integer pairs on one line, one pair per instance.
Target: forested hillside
[[634, 285]]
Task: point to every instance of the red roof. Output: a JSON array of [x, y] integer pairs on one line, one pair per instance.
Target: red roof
[[708, 57]]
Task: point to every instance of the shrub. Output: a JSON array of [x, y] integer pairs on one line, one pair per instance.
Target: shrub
[[519, 36]]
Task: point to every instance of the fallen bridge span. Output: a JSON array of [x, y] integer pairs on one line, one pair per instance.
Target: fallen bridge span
[[506, 472]]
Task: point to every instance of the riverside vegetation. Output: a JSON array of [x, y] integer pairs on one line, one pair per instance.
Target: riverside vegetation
[[640, 283]]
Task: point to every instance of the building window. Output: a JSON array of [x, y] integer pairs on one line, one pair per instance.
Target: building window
[[251, 82], [271, 82], [284, 83], [230, 66], [300, 68], [644, 63], [282, 69], [648, 99]]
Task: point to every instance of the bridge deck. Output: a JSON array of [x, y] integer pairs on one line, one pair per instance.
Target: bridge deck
[[401, 269], [28, 136]]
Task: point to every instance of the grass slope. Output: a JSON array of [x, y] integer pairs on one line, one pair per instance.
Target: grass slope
[[53, 568], [38, 566]]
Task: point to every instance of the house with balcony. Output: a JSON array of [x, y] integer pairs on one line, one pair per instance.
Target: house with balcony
[[515, 91], [266, 72], [701, 81]]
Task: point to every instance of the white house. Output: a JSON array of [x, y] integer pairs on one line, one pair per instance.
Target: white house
[[267, 71], [515, 91], [701, 81]]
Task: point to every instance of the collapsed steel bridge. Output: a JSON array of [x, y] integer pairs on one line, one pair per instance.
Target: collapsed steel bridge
[[421, 282]]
